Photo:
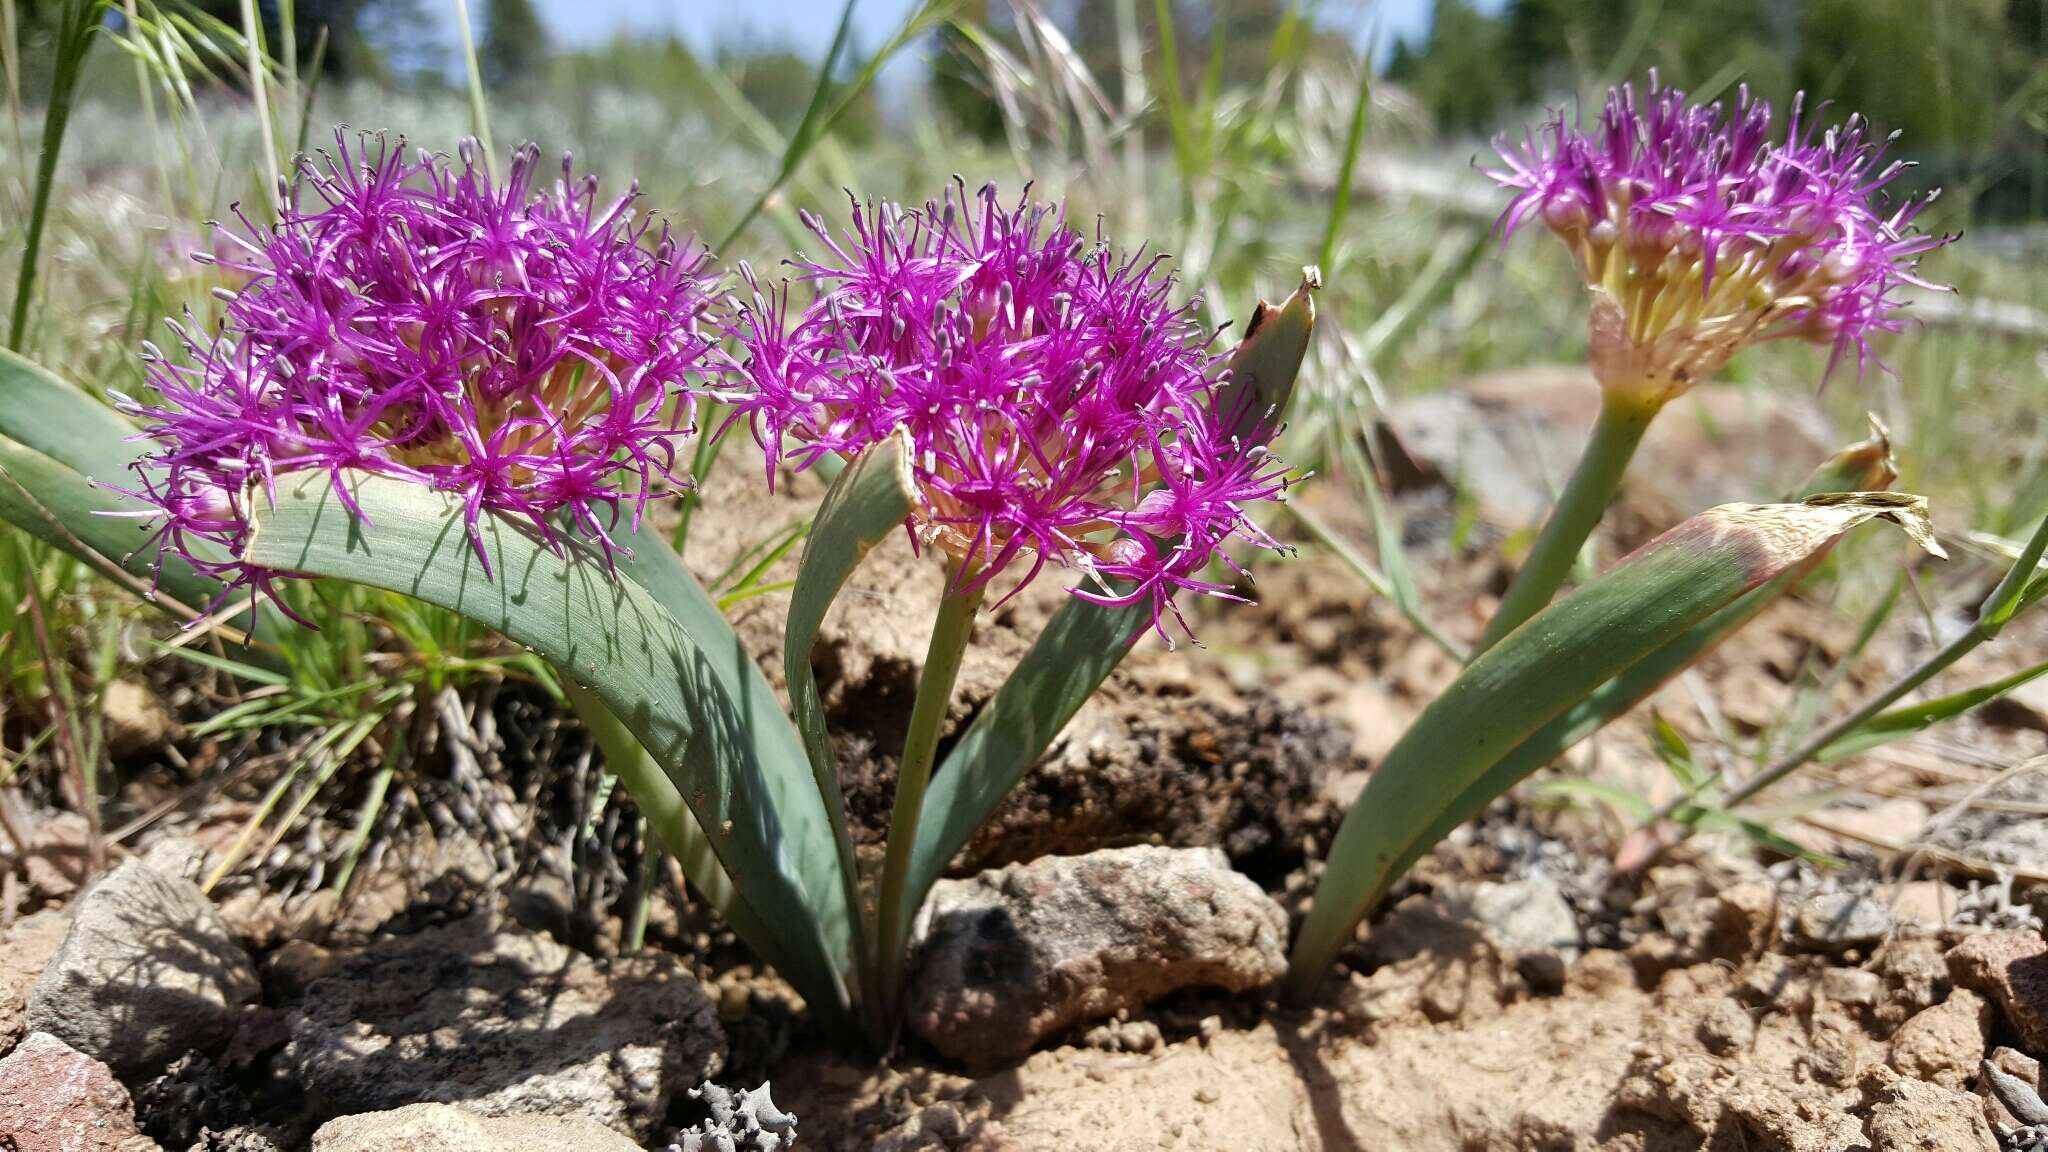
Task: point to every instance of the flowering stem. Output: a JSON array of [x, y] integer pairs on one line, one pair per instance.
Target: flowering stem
[[1624, 417], [950, 634]]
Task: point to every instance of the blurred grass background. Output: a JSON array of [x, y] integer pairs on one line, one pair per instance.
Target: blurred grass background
[[1247, 137]]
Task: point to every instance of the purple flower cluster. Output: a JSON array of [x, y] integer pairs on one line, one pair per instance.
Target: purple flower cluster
[[1703, 232], [1059, 406], [521, 344]]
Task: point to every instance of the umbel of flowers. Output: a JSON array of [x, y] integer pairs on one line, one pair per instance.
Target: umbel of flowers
[[1701, 230], [1061, 406], [1053, 404], [519, 342]]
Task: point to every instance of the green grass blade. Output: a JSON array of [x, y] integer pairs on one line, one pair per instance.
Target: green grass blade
[[1354, 139], [240, 669], [608, 633], [829, 104], [77, 22], [1179, 119], [871, 499], [1900, 723], [1552, 662]]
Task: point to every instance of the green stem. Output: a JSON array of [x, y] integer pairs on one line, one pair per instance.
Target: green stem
[[950, 633], [1624, 417]]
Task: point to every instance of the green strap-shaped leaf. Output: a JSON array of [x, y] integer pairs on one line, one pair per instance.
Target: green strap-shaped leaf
[[871, 499], [1863, 466], [655, 565], [58, 506], [1266, 363], [1080, 647], [604, 630], [57, 418], [1549, 663], [61, 448]]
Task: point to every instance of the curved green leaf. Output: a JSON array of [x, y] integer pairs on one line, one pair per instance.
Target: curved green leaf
[[60, 448], [609, 634], [655, 565], [1266, 363], [61, 508], [1864, 466], [59, 419], [870, 499], [1540, 669]]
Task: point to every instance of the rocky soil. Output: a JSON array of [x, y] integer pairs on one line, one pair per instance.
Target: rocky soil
[[1095, 973]]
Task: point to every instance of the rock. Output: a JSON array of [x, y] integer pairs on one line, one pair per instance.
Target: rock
[[195, 1095], [1852, 986], [443, 1128], [137, 721], [2011, 968], [1789, 1121], [1726, 1029], [1526, 916], [25, 950], [1915, 971], [505, 1022], [58, 855], [146, 973], [296, 965], [1501, 434], [1944, 1043], [1839, 921], [1734, 924], [54, 1098], [1019, 954], [1777, 982], [1924, 903], [1911, 1116]]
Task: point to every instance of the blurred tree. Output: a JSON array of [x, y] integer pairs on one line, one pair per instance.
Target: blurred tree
[[515, 45], [778, 82], [1460, 78], [1965, 80]]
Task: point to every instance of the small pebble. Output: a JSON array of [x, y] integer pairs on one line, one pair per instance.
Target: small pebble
[[1851, 986]]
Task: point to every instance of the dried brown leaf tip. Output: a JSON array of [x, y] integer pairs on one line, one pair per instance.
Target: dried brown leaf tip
[[1776, 536]]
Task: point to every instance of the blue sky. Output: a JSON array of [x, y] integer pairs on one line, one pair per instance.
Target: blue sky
[[808, 24]]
